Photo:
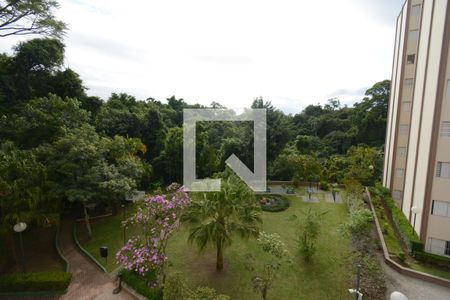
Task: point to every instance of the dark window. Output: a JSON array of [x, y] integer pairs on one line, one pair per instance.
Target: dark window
[[411, 59], [447, 248]]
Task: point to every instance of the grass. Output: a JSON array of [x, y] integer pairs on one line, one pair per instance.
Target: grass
[[327, 277], [39, 251]]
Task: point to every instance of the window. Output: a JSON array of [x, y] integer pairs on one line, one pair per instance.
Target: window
[[443, 169], [440, 208], [409, 82], [411, 59], [448, 88], [399, 173], [402, 151], [413, 35], [447, 248], [406, 106], [437, 246], [445, 129], [404, 129], [397, 195], [416, 10]]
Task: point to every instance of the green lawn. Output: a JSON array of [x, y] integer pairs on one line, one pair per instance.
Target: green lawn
[[327, 277]]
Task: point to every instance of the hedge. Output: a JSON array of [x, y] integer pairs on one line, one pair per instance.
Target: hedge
[[401, 223], [142, 284], [433, 259], [280, 203], [35, 282]]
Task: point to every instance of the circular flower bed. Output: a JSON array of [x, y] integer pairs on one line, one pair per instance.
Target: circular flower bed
[[273, 203]]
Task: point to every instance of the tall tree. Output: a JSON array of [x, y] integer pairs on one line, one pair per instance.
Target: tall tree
[[215, 217], [24, 17]]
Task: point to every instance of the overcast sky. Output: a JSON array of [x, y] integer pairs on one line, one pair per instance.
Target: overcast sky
[[293, 53]]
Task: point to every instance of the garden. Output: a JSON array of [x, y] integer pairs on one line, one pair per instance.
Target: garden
[[326, 275]]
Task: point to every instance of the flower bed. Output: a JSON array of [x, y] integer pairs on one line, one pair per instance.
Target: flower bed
[[273, 203]]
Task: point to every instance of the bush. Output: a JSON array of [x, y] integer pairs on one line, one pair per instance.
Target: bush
[[35, 282], [142, 285], [401, 256], [433, 259], [401, 223], [324, 186], [277, 203]]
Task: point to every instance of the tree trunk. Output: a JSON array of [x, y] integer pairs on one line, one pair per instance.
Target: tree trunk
[[219, 261], [86, 220], [264, 293]]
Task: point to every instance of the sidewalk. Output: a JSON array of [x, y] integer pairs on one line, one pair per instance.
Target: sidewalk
[[88, 281]]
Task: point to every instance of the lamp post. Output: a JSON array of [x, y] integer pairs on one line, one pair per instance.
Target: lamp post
[[397, 296], [19, 228], [124, 227], [415, 210], [357, 290]]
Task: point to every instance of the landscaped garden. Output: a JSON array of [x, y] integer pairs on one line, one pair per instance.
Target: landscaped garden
[[401, 241], [326, 276]]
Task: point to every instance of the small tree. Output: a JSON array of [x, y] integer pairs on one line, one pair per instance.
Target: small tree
[[217, 216], [309, 229], [157, 217], [263, 279]]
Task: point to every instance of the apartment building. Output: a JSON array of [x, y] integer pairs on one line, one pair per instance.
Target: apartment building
[[417, 153]]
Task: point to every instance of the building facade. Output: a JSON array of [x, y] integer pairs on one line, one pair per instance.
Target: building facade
[[417, 151]]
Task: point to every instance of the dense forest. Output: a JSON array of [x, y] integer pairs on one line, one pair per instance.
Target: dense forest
[[60, 146]]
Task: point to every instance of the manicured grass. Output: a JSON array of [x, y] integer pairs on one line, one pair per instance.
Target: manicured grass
[[39, 250], [105, 232], [327, 277], [430, 270]]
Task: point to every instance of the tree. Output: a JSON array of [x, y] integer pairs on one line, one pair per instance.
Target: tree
[[26, 17], [157, 218], [86, 168], [215, 217], [263, 279], [365, 164], [309, 229]]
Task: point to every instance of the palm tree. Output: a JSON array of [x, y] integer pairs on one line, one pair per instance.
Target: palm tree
[[215, 217]]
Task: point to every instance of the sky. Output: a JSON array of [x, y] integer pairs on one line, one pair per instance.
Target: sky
[[292, 53]]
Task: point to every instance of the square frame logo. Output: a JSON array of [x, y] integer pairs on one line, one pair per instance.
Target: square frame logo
[[256, 180]]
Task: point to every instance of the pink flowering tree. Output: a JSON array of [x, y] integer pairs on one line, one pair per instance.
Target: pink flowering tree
[[157, 217]]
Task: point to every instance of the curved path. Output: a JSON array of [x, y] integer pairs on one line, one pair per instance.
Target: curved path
[[414, 289], [88, 281]]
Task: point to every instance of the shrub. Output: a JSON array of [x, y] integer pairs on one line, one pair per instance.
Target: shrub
[[324, 186], [144, 285], [401, 256], [385, 228], [277, 203], [35, 282], [433, 259], [401, 223]]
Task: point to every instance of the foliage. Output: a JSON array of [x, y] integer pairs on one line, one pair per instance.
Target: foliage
[[275, 203], [324, 186], [432, 259], [215, 217], [364, 164], [176, 288], [263, 279], [142, 284], [157, 217], [35, 282], [24, 189], [206, 293], [30, 17], [308, 233], [401, 223]]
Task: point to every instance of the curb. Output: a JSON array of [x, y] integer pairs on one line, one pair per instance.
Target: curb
[[58, 249], [394, 265], [74, 234]]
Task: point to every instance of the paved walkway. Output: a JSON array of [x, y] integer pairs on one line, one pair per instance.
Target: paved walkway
[[88, 281], [414, 289]]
